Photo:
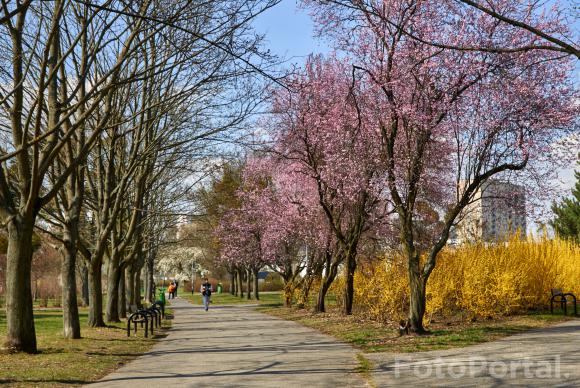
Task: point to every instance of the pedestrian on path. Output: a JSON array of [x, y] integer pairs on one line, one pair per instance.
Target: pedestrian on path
[[206, 292], [171, 290]]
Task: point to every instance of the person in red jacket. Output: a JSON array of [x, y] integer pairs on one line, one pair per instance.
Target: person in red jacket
[[171, 290]]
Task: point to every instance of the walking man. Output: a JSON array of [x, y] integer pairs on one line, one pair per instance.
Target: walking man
[[206, 292]]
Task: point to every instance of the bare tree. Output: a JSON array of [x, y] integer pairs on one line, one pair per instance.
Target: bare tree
[[63, 69]]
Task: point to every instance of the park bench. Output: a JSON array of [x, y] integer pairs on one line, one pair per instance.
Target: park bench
[[141, 318], [160, 306], [148, 317], [562, 298]]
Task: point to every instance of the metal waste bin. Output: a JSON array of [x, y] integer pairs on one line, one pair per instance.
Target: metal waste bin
[[220, 288], [162, 295]]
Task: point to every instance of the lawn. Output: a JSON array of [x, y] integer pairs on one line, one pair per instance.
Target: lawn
[[371, 336], [270, 298], [62, 362]]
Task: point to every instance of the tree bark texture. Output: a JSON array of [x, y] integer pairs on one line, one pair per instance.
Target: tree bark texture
[[70, 310], [240, 283], [122, 299], [20, 335], [95, 296], [417, 302], [84, 272], [113, 279], [256, 285], [249, 283], [349, 284]]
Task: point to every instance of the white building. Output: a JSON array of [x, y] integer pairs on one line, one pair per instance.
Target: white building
[[498, 210]]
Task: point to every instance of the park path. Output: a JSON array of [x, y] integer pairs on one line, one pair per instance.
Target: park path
[[547, 357], [236, 346]]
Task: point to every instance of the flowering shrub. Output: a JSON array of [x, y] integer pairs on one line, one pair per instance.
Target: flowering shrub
[[477, 279]]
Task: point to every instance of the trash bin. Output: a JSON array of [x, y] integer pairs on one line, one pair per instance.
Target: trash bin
[[220, 288], [162, 295]]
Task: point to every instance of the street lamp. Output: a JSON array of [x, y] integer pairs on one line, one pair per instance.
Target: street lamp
[[192, 276]]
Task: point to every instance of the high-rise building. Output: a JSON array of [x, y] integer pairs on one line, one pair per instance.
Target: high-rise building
[[497, 210]]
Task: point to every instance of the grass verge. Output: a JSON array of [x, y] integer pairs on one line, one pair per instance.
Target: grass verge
[[271, 298], [364, 368], [371, 336], [61, 362]]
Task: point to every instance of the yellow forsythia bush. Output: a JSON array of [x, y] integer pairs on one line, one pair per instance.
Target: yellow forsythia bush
[[381, 289], [478, 279]]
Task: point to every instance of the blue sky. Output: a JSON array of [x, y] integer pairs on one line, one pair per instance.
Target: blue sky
[[289, 33]]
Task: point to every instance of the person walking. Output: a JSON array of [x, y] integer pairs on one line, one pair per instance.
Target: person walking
[[206, 292], [171, 290]]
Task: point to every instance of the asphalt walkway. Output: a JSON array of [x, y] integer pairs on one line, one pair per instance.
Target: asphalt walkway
[[547, 357], [235, 346]]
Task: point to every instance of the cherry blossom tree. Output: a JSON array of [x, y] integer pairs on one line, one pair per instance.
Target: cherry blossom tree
[[288, 208], [323, 133], [449, 119], [538, 25], [241, 236]]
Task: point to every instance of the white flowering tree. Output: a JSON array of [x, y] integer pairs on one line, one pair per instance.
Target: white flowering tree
[[180, 263]]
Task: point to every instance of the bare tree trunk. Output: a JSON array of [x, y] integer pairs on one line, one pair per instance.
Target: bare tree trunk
[[35, 293], [256, 284], [240, 284], [137, 286], [130, 288], [95, 297], [113, 279], [122, 298], [70, 310], [232, 283], [84, 272], [150, 289], [236, 284], [249, 283], [21, 335], [328, 278], [349, 286], [417, 301]]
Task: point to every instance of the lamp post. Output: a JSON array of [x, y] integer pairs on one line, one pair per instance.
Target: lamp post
[[192, 276]]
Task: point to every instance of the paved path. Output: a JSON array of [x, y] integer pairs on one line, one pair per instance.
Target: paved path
[[235, 346], [538, 358]]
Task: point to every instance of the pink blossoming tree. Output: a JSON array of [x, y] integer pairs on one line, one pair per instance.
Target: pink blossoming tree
[[449, 119], [324, 138]]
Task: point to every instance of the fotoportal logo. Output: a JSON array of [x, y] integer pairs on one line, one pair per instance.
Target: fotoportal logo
[[549, 368]]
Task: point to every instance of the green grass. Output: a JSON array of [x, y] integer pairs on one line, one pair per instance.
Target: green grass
[[271, 298], [62, 362], [364, 368], [371, 336]]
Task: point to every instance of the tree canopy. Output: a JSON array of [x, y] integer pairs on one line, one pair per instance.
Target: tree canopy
[[567, 213]]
